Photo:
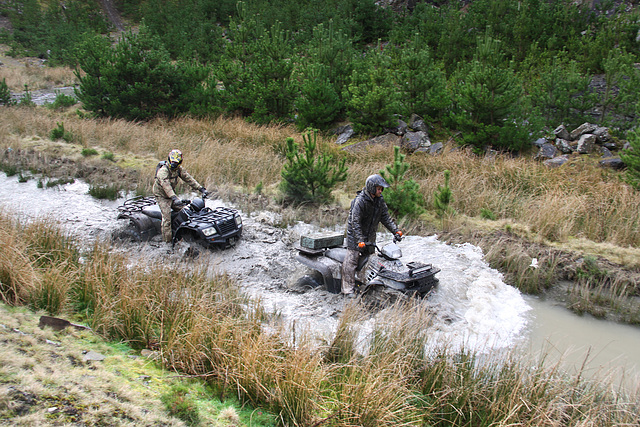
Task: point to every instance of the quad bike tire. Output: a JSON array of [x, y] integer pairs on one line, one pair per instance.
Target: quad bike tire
[[128, 235]]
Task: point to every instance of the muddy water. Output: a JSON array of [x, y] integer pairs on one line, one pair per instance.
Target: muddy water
[[473, 307]]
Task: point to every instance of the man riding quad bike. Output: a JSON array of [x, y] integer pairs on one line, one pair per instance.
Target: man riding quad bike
[[218, 227]]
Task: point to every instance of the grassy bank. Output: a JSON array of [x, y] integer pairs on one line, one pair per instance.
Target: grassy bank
[[200, 326], [561, 217]]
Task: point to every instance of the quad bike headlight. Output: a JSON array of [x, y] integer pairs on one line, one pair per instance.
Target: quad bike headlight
[[238, 220], [208, 232]]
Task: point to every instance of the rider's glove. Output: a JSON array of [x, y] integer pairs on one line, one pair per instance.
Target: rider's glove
[[204, 192], [397, 236], [176, 203]]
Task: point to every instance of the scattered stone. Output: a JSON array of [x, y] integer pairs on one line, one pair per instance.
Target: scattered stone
[[345, 133], [556, 162], [602, 134], [417, 124], [612, 163], [54, 343], [605, 152], [547, 151], [562, 132], [58, 324], [93, 355], [540, 142], [413, 141], [400, 130], [564, 146], [581, 130], [586, 143]]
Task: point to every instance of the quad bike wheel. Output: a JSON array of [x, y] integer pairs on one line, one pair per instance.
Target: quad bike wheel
[[128, 234]]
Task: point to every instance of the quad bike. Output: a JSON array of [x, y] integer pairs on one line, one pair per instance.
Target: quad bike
[[218, 227], [381, 273]]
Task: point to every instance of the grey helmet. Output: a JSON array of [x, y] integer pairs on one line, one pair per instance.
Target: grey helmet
[[197, 204], [375, 181]]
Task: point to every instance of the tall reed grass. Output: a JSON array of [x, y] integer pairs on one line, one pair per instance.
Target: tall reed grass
[[578, 201], [202, 326]]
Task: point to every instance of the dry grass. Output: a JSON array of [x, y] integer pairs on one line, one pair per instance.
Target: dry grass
[[31, 73], [201, 326], [577, 201]]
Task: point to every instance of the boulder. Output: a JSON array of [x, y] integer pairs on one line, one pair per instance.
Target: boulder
[[564, 146], [547, 151], [581, 130], [401, 129], [413, 141], [344, 133], [417, 124], [540, 142], [562, 132], [606, 153], [586, 143], [612, 163], [556, 162], [602, 134]]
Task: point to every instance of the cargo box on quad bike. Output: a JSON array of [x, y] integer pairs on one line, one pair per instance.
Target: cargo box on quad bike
[[324, 254], [218, 227]]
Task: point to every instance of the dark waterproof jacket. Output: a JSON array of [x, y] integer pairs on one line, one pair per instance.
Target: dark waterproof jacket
[[364, 216]]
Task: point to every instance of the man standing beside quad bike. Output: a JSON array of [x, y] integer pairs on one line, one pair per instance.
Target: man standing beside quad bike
[[166, 179], [368, 209]]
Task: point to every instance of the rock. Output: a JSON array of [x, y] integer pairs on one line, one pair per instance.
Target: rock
[[562, 132], [610, 145], [586, 143], [547, 151], [401, 129], [413, 141], [612, 163], [386, 140], [346, 132], [540, 142], [93, 355], [602, 134], [581, 130], [605, 152], [417, 124], [564, 146], [556, 162], [433, 149], [58, 324]]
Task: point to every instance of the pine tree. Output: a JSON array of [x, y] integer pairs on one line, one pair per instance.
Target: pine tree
[[308, 177], [488, 96], [631, 158], [443, 198], [5, 94], [372, 96], [403, 196], [136, 79], [423, 85]]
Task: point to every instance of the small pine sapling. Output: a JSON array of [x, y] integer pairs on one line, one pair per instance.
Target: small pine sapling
[[443, 198], [308, 177], [403, 196]]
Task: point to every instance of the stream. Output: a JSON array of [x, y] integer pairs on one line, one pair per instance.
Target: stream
[[473, 307]]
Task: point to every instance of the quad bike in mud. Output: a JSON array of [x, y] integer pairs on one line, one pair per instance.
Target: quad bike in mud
[[219, 227], [381, 275]]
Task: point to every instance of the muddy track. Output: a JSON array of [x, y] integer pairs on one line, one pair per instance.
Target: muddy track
[[567, 266]]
